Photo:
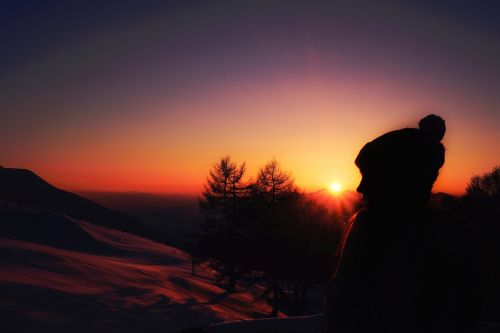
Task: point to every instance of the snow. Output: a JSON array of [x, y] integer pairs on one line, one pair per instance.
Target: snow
[[114, 282]]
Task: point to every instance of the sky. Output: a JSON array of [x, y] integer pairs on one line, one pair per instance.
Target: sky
[[146, 95]]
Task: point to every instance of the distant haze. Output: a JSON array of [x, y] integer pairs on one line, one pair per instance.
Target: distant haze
[[176, 216]]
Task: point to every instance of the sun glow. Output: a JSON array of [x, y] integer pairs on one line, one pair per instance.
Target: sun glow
[[335, 188]]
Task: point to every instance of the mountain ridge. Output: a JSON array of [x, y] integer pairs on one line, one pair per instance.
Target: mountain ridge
[[24, 187]]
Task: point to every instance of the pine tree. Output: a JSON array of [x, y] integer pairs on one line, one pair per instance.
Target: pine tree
[[220, 203], [273, 182], [277, 190]]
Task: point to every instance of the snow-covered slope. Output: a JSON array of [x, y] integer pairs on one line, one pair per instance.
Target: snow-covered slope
[[93, 279]]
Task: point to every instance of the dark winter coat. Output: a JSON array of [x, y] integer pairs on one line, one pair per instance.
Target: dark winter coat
[[408, 272]]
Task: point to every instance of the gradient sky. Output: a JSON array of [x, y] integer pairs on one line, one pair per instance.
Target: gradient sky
[[146, 95]]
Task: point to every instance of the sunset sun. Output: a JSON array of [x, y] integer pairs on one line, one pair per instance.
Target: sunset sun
[[335, 188]]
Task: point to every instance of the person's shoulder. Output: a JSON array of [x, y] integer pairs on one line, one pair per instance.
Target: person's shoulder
[[360, 215], [354, 230], [358, 220]]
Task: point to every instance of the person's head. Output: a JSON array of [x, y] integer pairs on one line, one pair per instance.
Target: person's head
[[399, 168]]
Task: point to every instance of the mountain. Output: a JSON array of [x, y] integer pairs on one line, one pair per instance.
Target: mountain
[[444, 201], [24, 187]]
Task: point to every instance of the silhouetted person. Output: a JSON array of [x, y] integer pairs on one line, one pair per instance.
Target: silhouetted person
[[404, 267]]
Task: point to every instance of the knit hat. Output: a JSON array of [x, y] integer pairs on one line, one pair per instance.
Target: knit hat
[[409, 158]]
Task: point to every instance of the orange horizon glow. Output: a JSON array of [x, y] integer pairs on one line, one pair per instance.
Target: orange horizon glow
[[192, 180], [192, 183]]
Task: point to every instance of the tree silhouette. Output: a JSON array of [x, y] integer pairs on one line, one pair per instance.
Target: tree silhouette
[[487, 185], [265, 232], [481, 205], [219, 204], [277, 190], [273, 182]]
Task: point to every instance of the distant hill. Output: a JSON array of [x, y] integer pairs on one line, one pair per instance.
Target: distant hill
[[176, 216], [28, 189], [443, 200]]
